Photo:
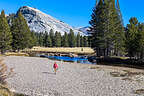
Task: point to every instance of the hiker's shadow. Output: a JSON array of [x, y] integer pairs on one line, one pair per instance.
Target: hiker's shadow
[[48, 73]]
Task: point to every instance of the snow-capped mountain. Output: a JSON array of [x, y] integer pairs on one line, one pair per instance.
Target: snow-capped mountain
[[85, 30], [41, 22]]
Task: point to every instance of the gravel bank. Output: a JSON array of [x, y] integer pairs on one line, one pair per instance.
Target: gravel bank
[[35, 77]]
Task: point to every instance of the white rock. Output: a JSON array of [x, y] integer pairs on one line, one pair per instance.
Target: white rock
[[41, 22]]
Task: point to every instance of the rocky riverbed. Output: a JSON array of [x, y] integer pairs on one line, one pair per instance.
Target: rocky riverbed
[[35, 77]]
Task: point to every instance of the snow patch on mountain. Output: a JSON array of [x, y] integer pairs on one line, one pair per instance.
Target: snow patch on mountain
[[41, 22], [85, 30]]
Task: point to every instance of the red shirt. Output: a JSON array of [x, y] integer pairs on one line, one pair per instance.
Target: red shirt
[[55, 65]]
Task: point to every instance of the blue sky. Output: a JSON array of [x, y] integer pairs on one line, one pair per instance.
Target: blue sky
[[74, 12]]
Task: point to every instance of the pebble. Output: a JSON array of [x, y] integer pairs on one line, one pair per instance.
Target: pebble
[[35, 77]]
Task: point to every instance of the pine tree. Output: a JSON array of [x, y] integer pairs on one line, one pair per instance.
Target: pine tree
[[85, 39], [78, 40], [40, 39], [22, 37], [97, 31], [26, 33], [47, 40], [107, 32], [57, 39], [65, 40], [45, 35], [15, 34], [51, 33], [140, 38], [81, 41], [5, 34], [118, 29], [72, 39], [132, 37], [33, 39]]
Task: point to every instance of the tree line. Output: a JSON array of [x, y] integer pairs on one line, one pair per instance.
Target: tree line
[[15, 35], [108, 35], [55, 39]]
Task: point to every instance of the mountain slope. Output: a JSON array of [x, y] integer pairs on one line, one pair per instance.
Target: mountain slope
[[84, 30], [41, 22]]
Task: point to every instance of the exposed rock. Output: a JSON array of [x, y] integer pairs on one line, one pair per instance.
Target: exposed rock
[[41, 22]]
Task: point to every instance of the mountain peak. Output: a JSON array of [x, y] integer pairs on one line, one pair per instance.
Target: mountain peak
[[41, 22], [31, 9]]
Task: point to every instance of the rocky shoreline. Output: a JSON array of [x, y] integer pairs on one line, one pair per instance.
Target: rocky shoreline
[[35, 77]]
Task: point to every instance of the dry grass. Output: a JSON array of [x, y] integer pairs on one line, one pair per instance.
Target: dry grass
[[16, 54], [4, 72], [4, 91], [78, 50]]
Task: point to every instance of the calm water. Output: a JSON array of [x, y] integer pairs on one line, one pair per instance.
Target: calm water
[[81, 59]]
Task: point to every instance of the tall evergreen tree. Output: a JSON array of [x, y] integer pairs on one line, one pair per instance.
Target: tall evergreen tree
[[72, 39], [21, 33], [97, 24], [47, 40], [65, 40], [51, 33], [81, 41], [60, 39], [57, 39], [141, 40], [5, 34], [118, 29], [132, 37], [33, 40], [40, 39], [106, 28], [85, 39], [78, 40]]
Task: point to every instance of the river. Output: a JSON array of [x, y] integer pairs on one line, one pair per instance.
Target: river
[[80, 59]]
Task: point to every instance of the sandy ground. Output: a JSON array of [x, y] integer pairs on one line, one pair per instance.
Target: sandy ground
[[35, 77]]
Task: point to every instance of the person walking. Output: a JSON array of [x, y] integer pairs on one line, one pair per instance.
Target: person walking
[[55, 66]]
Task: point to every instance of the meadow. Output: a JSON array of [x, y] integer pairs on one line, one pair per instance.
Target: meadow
[[76, 50]]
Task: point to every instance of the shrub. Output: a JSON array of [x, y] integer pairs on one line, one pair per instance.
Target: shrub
[[4, 72], [4, 91]]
